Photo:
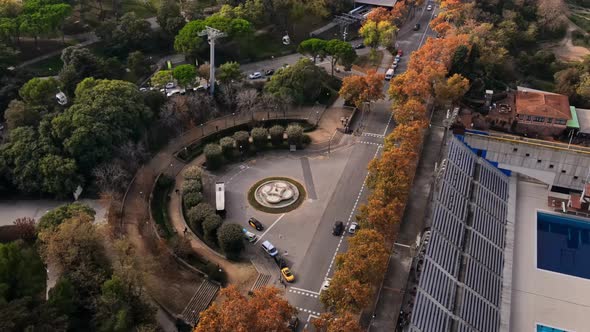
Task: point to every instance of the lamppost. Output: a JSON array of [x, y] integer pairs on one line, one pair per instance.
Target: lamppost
[[212, 35], [234, 116]]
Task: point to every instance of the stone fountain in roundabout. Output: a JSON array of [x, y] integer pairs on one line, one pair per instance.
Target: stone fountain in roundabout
[[276, 193]]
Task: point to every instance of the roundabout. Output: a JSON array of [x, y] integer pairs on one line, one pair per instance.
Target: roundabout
[[276, 195]]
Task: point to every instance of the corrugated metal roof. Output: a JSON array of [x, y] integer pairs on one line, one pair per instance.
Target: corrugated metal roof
[[382, 3]]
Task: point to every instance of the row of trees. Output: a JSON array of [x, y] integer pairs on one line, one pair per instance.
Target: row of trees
[[239, 143], [361, 268], [90, 293], [203, 220], [339, 51]]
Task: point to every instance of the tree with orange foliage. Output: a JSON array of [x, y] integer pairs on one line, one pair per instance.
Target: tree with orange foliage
[[360, 89], [328, 322], [379, 14], [399, 11], [411, 110], [410, 84], [265, 310], [357, 270], [407, 137], [381, 214]]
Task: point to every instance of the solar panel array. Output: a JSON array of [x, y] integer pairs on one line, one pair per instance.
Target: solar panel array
[[460, 280]]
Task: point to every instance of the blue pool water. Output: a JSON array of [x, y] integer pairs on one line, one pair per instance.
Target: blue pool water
[[563, 244], [542, 328]]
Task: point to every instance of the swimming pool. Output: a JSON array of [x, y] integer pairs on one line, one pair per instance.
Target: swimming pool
[[563, 244]]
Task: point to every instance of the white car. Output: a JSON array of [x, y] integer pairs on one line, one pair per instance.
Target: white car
[[255, 75], [429, 7], [325, 285], [353, 227], [170, 85], [175, 91]]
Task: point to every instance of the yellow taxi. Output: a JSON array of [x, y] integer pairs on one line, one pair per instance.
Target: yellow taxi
[[287, 275]]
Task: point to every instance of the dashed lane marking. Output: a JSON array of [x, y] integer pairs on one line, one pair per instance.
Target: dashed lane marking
[[309, 311], [372, 135], [304, 290], [303, 293], [388, 122], [358, 197], [370, 143]]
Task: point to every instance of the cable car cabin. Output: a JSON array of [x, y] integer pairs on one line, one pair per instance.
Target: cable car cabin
[[220, 198]]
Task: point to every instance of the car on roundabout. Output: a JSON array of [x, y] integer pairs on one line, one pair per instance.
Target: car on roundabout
[[255, 224], [287, 275]]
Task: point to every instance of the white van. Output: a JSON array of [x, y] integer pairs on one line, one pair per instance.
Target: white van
[[389, 74], [269, 248]]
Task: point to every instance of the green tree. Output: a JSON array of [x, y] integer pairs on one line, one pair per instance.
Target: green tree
[[314, 47], [228, 146], [229, 237], [169, 17], [101, 118], [22, 272], [303, 82], [191, 199], [229, 72], [196, 215], [185, 75], [277, 133], [59, 175], [161, 78], [294, 134], [52, 219], [79, 63], [242, 139], [210, 224], [340, 51], [214, 156], [39, 92], [19, 115], [260, 137], [138, 64], [187, 40]]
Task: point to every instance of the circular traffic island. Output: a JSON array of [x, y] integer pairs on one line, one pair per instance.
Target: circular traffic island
[[276, 195]]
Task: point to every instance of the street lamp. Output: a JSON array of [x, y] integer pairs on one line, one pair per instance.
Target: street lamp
[[234, 116]]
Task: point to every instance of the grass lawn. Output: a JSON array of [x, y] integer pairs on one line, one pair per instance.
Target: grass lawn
[[142, 9], [48, 67], [365, 62]]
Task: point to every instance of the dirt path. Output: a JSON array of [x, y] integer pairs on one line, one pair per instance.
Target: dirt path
[[566, 50]]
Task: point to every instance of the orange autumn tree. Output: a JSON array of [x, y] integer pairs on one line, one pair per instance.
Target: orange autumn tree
[[265, 310], [409, 111], [379, 14], [407, 137], [358, 270], [452, 89], [359, 89], [328, 322]]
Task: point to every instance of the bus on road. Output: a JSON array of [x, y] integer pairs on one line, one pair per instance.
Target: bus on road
[[220, 198]]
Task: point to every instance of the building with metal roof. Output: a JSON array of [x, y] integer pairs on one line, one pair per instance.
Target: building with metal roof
[[379, 3]]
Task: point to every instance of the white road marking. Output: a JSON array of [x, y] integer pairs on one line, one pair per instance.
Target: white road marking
[[388, 122], [370, 143], [402, 245], [304, 290], [372, 135], [242, 169], [427, 27], [269, 227], [311, 312]]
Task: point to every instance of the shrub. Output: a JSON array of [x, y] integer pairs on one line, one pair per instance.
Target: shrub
[[214, 156], [210, 225], [276, 135], [306, 139], [192, 173], [197, 214], [295, 134], [229, 237], [191, 199], [242, 139], [259, 137], [192, 186], [215, 273], [228, 146]]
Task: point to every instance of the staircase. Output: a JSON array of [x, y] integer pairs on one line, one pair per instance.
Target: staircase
[[200, 301], [261, 281]]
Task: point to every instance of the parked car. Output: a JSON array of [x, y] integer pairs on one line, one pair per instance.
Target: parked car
[[325, 285], [256, 224], [287, 275], [170, 85], [429, 7], [338, 228], [400, 52], [359, 46], [251, 237], [269, 72], [255, 75], [417, 27], [353, 227], [269, 248]]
